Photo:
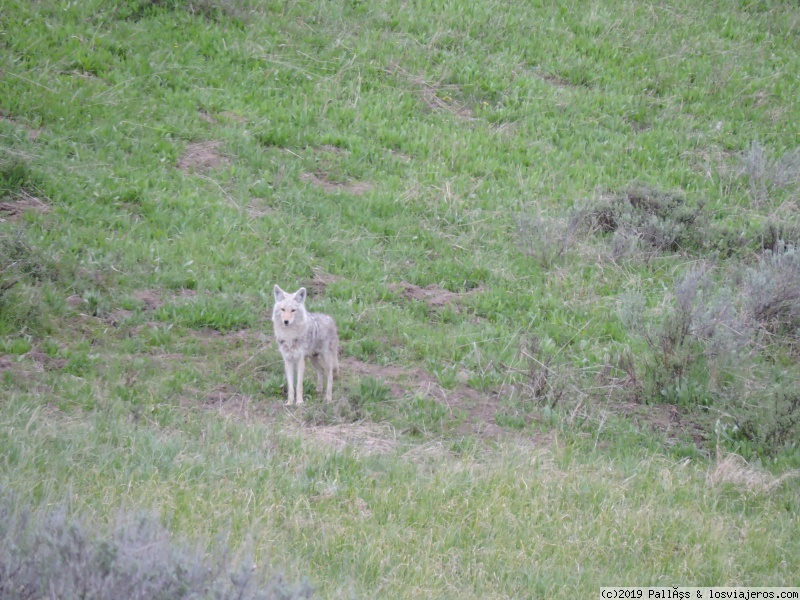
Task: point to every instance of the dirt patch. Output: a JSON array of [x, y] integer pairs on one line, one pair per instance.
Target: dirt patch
[[227, 399], [432, 295], [207, 117], [258, 208], [116, 317], [237, 338], [666, 419], [552, 78], [6, 363], [317, 285], [331, 149], [44, 361], [356, 188], [232, 116], [480, 408], [75, 301], [402, 157], [144, 327], [22, 201], [201, 157], [394, 377], [150, 298], [22, 372]]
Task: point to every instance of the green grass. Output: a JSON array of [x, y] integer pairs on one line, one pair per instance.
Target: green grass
[[504, 210]]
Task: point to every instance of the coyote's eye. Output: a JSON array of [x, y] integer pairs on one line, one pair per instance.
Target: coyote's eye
[[294, 310]]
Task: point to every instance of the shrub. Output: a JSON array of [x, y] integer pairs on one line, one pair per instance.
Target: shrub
[[54, 555], [764, 174], [763, 425], [675, 350], [650, 220], [542, 381], [547, 239], [772, 291], [705, 349]]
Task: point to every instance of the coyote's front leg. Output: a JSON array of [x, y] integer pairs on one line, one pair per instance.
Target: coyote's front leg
[[288, 366]]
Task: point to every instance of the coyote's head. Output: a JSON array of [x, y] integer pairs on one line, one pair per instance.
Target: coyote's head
[[289, 308]]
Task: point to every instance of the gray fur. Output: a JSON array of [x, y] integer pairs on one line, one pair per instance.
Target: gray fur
[[302, 334]]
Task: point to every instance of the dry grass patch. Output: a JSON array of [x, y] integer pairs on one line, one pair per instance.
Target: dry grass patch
[[45, 362], [258, 208], [362, 438], [734, 470], [227, 400]]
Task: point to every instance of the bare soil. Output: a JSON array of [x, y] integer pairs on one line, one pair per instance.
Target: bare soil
[[150, 298], [432, 295], [480, 408], [356, 188], [21, 202], [201, 157]]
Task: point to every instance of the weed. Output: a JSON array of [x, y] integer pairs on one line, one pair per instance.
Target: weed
[[222, 313], [340, 411], [14, 176], [371, 391], [543, 380], [547, 239], [755, 161]]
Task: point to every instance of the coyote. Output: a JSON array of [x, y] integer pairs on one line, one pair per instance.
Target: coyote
[[300, 333]]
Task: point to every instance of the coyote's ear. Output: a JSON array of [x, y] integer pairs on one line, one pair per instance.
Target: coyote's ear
[[279, 294], [300, 295]]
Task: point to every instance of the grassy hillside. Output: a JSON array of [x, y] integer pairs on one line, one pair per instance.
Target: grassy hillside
[[558, 240]]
